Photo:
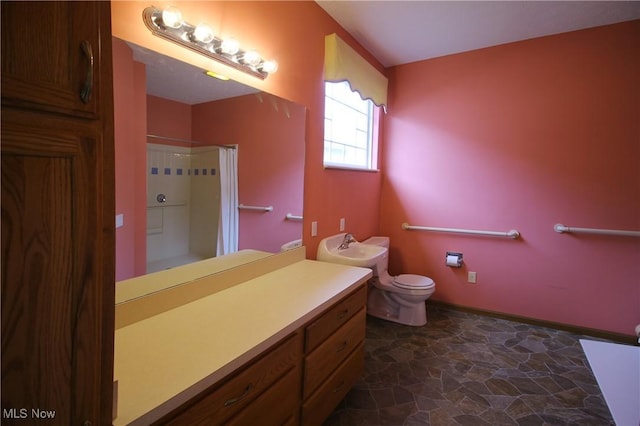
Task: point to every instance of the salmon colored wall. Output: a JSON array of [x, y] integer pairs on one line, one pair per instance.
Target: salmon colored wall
[[293, 34], [524, 136], [270, 162], [130, 150], [169, 119]]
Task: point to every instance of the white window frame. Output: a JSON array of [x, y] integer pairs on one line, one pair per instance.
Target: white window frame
[[346, 117]]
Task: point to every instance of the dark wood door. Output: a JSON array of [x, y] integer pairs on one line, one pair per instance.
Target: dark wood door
[[57, 216]]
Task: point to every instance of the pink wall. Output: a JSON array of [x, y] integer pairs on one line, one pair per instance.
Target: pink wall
[[293, 34], [524, 136], [269, 133], [169, 119], [521, 135], [130, 151]]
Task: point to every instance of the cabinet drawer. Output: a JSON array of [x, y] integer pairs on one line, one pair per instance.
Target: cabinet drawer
[[328, 356], [339, 314], [324, 401], [226, 400], [278, 406]]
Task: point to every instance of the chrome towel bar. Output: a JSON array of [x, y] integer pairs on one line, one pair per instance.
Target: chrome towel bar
[[290, 216]]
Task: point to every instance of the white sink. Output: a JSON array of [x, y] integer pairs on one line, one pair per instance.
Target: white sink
[[358, 254]]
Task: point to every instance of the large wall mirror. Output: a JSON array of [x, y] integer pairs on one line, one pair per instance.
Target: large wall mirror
[[192, 149]]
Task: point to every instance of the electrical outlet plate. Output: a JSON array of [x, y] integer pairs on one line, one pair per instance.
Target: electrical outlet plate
[[342, 224], [314, 229], [471, 277]]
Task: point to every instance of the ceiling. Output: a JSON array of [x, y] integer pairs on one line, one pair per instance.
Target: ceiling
[[400, 32], [182, 82]]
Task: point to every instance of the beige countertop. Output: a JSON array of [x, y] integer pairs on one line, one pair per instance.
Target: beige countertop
[[157, 281], [163, 361]]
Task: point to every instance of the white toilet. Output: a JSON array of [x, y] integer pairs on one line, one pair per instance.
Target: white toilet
[[401, 298]]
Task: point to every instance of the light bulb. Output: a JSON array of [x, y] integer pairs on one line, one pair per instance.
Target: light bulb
[[203, 33], [251, 57], [172, 17], [230, 46], [270, 66]]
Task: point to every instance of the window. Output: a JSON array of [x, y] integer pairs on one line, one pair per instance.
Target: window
[[348, 128]]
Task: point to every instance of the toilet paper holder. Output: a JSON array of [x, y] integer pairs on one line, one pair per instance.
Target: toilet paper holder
[[453, 259]]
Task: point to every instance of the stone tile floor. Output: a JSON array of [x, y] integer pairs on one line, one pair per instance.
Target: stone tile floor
[[468, 369]]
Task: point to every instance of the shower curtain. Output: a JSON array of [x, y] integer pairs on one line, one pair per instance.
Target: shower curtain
[[228, 222]]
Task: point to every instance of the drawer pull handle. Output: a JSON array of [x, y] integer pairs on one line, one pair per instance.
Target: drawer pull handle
[[339, 387], [342, 314], [343, 346], [238, 398]]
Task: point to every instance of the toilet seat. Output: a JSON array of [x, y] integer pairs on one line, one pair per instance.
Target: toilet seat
[[413, 282]]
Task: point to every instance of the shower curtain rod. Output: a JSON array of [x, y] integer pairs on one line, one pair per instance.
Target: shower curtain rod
[[189, 141]]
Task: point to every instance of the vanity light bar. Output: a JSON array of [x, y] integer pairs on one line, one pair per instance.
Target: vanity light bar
[[168, 24]]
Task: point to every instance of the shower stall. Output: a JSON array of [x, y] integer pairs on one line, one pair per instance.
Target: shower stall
[[188, 204]]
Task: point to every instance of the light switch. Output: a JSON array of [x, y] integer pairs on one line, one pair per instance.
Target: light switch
[[119, 220]]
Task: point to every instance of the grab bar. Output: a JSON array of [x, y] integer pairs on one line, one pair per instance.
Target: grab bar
[[264, 209], [289, 216], [511, 234], [560, 228]]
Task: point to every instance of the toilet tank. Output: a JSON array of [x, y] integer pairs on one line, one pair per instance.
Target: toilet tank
[[377, 241]]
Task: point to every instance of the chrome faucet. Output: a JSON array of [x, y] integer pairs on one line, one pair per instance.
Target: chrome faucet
[[348, 239]]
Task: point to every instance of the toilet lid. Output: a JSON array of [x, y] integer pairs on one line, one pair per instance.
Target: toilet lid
[[413, 282]]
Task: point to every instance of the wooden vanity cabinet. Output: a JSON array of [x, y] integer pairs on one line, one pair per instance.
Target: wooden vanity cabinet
[[265, 391], [334, 356], [299, 380], [318, 330], [321, 404]]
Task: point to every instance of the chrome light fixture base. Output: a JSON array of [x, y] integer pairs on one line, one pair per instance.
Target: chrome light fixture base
[[184, 35]]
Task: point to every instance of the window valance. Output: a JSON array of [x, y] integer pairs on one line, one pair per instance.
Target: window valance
[[342, 63]]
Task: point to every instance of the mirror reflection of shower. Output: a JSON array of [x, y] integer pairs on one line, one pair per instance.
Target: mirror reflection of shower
[[184, 204]]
